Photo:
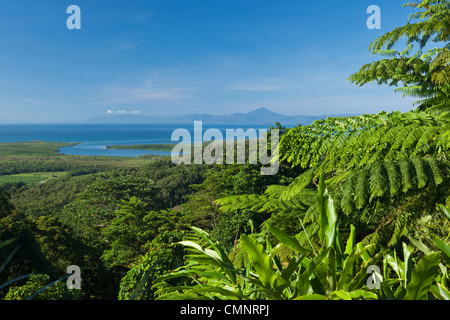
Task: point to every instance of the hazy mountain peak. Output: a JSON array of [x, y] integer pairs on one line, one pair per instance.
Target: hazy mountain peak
[[260, 116], [262, 111]]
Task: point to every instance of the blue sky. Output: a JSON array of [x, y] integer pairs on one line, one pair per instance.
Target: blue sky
[[163, 57]]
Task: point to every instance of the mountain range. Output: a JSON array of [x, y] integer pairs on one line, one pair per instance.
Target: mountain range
[[261, 116]]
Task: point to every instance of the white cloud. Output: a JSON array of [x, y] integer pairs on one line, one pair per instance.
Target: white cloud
[[122, 111]]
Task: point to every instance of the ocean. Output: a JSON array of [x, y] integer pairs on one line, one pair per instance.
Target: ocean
[[94, 138]]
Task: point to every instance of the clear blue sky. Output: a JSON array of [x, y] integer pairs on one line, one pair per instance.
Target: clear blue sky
[[163, 57]]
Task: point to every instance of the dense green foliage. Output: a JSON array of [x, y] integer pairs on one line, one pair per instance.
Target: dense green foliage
[[351, 193], [329, 269]]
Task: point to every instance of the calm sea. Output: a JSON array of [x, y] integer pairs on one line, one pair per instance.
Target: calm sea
[[94, 138]]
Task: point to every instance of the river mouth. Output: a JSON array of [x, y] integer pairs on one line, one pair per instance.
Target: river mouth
[[94, 149]]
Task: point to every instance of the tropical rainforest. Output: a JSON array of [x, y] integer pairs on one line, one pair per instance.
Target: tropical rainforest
[[359, 209]]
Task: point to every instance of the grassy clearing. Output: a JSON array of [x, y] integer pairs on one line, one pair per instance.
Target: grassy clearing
[[31, 178]]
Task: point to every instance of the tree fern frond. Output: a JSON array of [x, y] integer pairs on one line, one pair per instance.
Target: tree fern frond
[[437, 174], [361, 189], [420, 167], [394, 178], [378, 181]]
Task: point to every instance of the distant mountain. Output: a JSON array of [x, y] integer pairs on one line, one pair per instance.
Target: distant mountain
[[261, 116]]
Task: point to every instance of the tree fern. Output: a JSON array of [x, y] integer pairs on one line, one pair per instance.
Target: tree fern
[[381, 160], [398, 137], [372, 164], [420, 75]]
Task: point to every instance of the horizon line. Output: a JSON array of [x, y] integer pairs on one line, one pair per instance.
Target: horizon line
[[140, 115]]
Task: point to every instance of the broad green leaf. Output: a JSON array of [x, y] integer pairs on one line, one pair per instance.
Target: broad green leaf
[[420, 245], [364, 254], [313, 296], [351, 241], [218, 249], [331, 272], [226, 263], [339, 247], [261, 261], [286, 239], [422, 277], [407, 263], [327, 215], [444, 210], [442, 246], [346, 272], [397, 265], [275, 257], [341, 295], [440, 292], [203, 234], [388, 287], [361, 277], [290, 269], [208, 252], [332, 220], [360, 293], [400, 293], [304, 278]]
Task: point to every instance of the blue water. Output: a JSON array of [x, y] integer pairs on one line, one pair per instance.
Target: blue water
[[94, 138]]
